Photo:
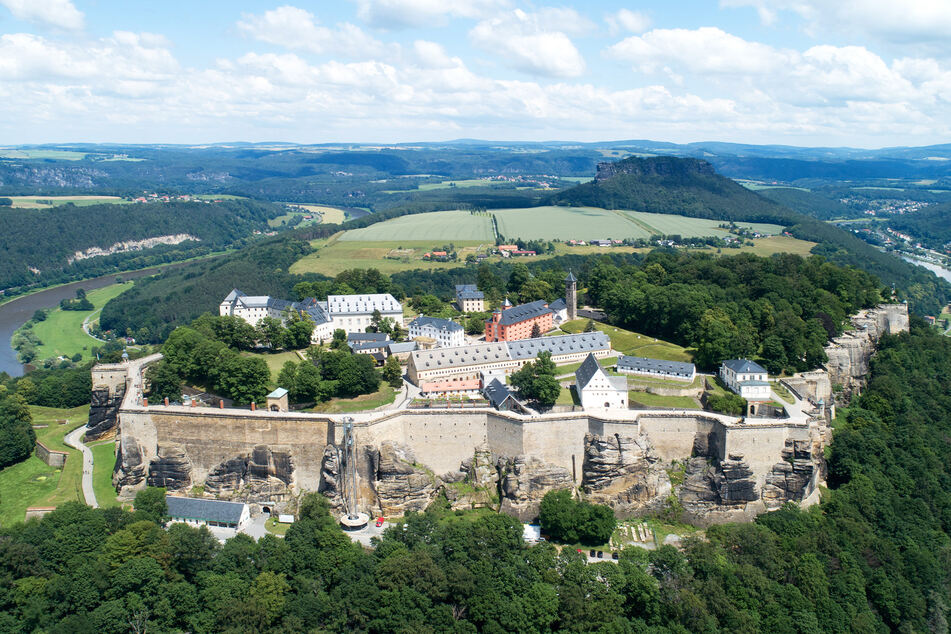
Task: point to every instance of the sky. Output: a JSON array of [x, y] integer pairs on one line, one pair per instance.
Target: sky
[[860, 73]]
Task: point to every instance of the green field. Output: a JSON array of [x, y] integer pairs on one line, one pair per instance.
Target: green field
[[566, 223], [384, 396], [321, 213], [470, 182], [655, 400], [103, 461], [34, 483], [632, 343], [62, 155], [333, 256], [669, 225], [62, 332], [274, 361], [48, 202], [437, 226]]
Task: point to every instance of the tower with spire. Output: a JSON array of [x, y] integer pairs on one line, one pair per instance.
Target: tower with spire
[[571, 295]]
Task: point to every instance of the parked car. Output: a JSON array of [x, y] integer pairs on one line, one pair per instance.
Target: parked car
[[379, 522], [600, 554], [615, 556]]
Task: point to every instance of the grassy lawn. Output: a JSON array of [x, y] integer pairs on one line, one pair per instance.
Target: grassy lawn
[[781, 390], [335, 256], [275, 361], [637, 379], [274, 527], [632, 343], [567, 397], [62, 331], [439, 226], [384, 396], [52, 435], [104, 459], [572, 367], [654, 400]]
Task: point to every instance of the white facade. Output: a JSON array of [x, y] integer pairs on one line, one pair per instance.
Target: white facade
[[597, 389], [746, 378], [446, 333], [353, 313]]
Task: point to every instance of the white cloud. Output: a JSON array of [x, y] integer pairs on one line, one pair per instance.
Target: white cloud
[[909, 21], [432, 55], [396, 14], [627, 20], [535, 43], [704, 50], [57, 13], [297, 29]]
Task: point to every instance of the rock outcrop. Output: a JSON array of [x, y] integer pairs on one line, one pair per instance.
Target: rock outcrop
[[850, 353], [263, 475], [623, 473], [789, 480], [525, 481], [400, 485], [103, 413], [129, 472], [171, 469], [719, 486]]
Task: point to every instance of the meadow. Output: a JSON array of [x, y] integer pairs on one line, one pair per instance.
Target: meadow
[[632, 343], [566, 223], [48, 202], [321, 214], [62, 331], [334, 256], [438, 226]]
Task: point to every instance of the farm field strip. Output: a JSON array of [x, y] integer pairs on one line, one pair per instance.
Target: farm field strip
[[669, 224], [34, 202], [566, 223], [437, 225]]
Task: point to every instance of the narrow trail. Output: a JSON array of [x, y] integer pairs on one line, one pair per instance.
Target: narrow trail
[[75, 439]]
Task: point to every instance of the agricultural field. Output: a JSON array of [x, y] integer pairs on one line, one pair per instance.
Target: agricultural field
[[333, 256], [566, 223], [60, 155], [322, 214], [669, 225], [48, 202], [33, 482], [758, 185], [471, 182], [440, 226], [62, 332]]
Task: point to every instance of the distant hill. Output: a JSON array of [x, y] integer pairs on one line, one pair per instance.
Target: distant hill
[[691, 187], [810, 203]]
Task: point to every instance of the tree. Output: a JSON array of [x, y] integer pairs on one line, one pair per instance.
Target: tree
[[427, 304], [150, 505], [271, 332], [575, 521], [339, 341], [590, 326], [287, 377], [39, 315], [475, 324], [536, 380], [17, 437], [164, 382], [298, 333], [392, 372], [243, 379], [536, 331], [306, 384], [518, 277], [354, 374]]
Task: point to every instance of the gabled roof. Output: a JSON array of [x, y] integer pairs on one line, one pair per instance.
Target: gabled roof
[[278, 393], [361, 304], [642, 364], [744, 366], [587, 371], [460, 288], [497, 393], [470, 294], [401, 346], [571, 277], [367, 336], [515, 314], [562, 344], [446, 325], [373, 344], [233, 295], [460, 356], [207, 510], [558, 304]]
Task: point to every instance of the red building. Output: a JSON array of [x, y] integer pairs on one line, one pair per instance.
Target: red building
[[517, 322]]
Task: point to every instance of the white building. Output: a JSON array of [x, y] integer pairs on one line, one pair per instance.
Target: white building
[[746, 378], [469, 299], [445, 332], [678, 370], [597, 389], [211, 513], [352, 313]]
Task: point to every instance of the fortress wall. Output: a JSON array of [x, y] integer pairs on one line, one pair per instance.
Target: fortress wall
[[673, 435], [505, 435], [761, 445], [558, 441], [210, 437], [441, 442]]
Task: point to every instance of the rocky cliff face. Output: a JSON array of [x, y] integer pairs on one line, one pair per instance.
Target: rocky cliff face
[[170, 469], [623, 473], [264, 474], [657, 166], [717, 486], [103, 413], [129, 472], [400, 485], [790, 479], [525, 481], [850, 353]]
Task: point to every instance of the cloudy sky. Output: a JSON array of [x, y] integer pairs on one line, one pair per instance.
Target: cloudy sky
[[865, 73]]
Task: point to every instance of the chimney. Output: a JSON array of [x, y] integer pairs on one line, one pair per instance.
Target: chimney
[[254, 407], [166, 401], [194, 402], [221, 404], [145, 402]]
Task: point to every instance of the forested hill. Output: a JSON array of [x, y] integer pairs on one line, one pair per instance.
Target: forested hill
[[668, 185], [691, 187], [36, 245]]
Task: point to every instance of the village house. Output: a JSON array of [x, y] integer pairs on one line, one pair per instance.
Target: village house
[[746, 378], [657, 368], [596, 389], [445, 332], [469, 299], [517, 322]]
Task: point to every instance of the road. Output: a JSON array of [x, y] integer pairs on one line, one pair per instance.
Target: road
[[75, 439]]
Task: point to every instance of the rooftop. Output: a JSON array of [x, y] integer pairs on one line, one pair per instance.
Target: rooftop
[[744, 366], [361, 304], [278, 393], [655, 365], [367, 336], [497, 393], [586, 371], [206, 510], [515, 314], [435, 322]]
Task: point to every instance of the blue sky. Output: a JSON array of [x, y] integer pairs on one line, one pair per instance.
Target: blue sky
[[864, 73]]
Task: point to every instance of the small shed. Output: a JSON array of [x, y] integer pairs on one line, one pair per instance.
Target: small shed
[[277, 400], [202, 512]]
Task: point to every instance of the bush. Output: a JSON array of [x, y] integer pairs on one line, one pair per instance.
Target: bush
[[732, 404], [572, 521]]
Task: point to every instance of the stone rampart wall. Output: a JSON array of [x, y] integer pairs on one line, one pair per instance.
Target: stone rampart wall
[[53, 458]]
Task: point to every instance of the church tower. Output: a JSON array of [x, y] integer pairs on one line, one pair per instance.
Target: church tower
[[571, 296]]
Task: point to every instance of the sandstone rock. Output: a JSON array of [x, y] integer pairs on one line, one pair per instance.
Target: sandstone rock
[[129, 473], [525, 482], [103, 413], [709, 488], [330, 484], [400, 485], [171, 469], [481, 469], [263, 475], [454, 477], [789, 480], [623, 473]]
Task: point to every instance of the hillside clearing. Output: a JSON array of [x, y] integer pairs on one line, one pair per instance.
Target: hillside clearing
[[632, 343], [62, 332], [437, 225]]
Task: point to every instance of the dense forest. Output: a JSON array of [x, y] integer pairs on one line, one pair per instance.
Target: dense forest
[[932, 225], [874, 556], [39, 245]]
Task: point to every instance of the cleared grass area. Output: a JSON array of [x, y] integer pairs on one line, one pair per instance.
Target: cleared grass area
[[384, 396], [436, 226], [24, 485], [565, 223], [47, 202], [387, 256], [52, 435], [655, 400], [572, 367], [274, 361], [274, 527], [62, 331], [567, 397], [321, 214], [670, 224], [774, 244], [104, 459], [467, 182], [632, 343]]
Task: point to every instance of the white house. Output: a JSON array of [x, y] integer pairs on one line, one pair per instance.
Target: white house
[[746, 378], [211, 513], [597, 389], [469, 299], [352, 313], [446, 332]]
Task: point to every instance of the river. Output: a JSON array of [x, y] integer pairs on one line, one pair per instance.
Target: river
[[940, 271], [15, 313]]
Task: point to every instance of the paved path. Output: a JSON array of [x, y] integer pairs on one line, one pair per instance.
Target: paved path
[[86, 325], [75, 439]]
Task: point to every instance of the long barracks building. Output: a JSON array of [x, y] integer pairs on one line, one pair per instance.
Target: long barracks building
[[471, 363]]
